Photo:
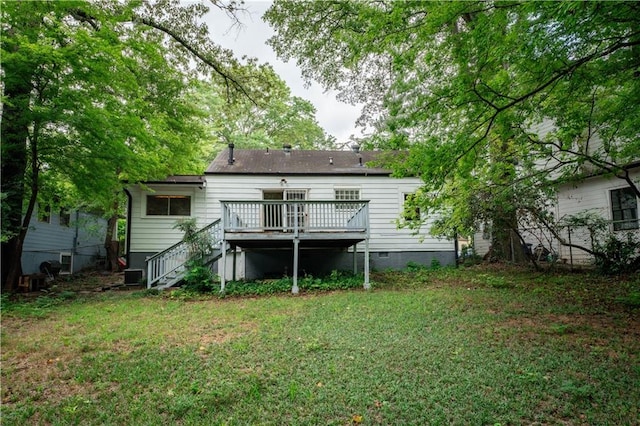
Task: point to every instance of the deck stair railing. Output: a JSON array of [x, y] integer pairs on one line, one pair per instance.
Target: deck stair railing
[[167, 268]]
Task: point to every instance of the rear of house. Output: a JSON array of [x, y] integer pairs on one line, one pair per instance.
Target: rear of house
[[288, 178]]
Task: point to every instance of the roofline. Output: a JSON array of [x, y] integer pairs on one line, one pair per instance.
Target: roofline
[[197, 180], [595, 174], [368, 172]]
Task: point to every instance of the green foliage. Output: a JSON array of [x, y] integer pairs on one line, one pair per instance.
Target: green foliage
[[277, 119], [199, 278], [632, 299], [337, 280], [618, 254], [334, 358], [39, 307], [495, 281], [473, 95], [615, 252], [100, 95]]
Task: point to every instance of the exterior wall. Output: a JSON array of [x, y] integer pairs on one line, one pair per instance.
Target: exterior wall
[[482, 240], [592, 195], [151, 234], [83, 239], [385, 195]]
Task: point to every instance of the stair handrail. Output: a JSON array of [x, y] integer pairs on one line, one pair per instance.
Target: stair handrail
[[156, 264]]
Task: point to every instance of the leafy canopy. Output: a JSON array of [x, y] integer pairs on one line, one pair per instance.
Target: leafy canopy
[[469, 87]]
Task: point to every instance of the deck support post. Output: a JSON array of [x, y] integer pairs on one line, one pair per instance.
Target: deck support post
[[355, 258], [235, 256], [296, 244], [223, 273], [367, 285]]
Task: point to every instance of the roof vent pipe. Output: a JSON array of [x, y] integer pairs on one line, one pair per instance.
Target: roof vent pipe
[[360, 161], [286, 148], [355, 148], [231, 160], [330, 160]]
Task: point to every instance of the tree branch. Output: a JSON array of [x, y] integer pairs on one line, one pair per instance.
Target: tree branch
[[226, 76]]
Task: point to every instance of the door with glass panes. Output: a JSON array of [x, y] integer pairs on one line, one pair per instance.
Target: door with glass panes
[[284, 216]]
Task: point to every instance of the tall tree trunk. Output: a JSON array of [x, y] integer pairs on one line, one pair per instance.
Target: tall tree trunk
[[15, 132], [111, 244]]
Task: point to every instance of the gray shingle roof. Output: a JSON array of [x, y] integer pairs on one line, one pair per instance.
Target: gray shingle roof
[[307, 162]]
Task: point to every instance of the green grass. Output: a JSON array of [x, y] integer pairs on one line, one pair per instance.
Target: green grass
[[470, 346]]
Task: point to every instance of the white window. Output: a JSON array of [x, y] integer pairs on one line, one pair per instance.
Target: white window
[[624, 209], [168, 205], [346, 194], [66, 263]]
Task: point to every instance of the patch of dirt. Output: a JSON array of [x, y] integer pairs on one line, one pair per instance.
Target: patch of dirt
[[85, 282]]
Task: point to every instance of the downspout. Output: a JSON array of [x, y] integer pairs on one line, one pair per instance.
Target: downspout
[[128, 237]]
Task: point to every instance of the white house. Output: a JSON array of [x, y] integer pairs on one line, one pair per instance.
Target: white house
[[283, 212], [609, 197]]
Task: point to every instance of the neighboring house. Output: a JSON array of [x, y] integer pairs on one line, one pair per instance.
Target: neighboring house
[[74, 239], [590, 192], [284, 212], [609, 197]]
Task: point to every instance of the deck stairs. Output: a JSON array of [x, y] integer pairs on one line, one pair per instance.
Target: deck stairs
[[167, 268]]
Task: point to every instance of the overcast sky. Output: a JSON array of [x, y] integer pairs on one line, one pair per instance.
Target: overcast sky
[[337, 118]]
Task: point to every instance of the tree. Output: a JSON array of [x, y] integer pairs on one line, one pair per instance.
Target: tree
[[97, 94], [278, 119], [464, 85]]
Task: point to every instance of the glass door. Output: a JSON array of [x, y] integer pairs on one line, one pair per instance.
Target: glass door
[[296, 213]]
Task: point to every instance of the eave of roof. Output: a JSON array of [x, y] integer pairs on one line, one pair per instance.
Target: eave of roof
[[179, 180]]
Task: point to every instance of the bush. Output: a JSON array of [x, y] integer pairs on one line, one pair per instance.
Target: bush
[[618, 255], [198, 278]]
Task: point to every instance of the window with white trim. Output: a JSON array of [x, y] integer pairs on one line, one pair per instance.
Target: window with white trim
[[66, 263], [346, 194], [168, 205], [624, 209]]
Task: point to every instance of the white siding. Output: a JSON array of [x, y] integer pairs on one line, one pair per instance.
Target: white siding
[[384, 194], [156, 233], [591, 195]]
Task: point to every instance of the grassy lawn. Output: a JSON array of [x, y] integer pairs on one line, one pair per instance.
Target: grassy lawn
[[471, 346]]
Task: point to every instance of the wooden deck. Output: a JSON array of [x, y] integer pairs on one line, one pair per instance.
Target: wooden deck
[[271, 223], [295, 224]]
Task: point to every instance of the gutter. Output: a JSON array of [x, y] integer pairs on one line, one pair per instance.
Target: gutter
[[128, 237]]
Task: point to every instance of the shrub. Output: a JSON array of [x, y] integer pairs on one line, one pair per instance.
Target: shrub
[[199, 278], [618, 255]]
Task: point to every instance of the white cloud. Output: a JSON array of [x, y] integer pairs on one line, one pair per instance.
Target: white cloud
[[337, 118]]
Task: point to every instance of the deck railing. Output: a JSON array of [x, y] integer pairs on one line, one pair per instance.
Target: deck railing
[[295, 216], [170, 261]]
